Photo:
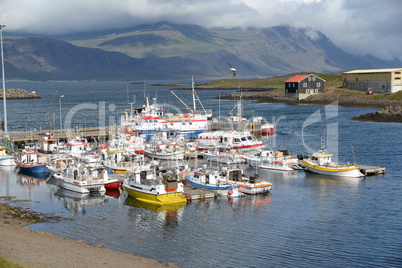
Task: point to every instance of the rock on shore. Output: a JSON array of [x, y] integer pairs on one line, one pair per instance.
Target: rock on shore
[[390, 113], [19, 93]]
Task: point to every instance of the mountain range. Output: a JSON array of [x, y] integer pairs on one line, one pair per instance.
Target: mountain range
[[171, 51]]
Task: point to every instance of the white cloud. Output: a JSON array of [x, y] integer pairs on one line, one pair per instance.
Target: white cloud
[[358, 26]]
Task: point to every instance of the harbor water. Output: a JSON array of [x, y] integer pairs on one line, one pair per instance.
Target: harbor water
[[307, 221]]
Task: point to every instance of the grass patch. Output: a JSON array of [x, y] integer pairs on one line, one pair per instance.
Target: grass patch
[[7, 264], [331, 80]]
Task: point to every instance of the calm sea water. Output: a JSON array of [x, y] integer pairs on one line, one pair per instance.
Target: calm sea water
[[307, 220]]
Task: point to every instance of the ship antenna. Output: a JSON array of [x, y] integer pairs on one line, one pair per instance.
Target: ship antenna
[[322, 143]]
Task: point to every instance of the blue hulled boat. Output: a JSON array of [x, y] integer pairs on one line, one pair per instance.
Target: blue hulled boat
[[29, 160]]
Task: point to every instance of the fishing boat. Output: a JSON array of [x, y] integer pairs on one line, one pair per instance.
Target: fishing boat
[[237, 120], [247, 184], [151, 186], [242, 141], [164, 152], [82, 180], [6, 159], [321, 163], [224, 156], [213, 180], [151, 118], [29, 160], [48, 145], [268, 159]]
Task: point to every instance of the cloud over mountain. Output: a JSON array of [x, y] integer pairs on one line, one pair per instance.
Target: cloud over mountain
[[357, 26]]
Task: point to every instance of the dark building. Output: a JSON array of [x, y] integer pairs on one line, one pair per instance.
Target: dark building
[[301, 86]]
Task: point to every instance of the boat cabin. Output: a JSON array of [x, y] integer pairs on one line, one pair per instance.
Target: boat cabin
[[322, 158], [3, 152], [47, 145], [29, 156]]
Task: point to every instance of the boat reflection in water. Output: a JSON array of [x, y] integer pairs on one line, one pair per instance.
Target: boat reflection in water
[[113, 192], [328, 179], [251, 201], [168, 214], [76, 202], [30, 179]]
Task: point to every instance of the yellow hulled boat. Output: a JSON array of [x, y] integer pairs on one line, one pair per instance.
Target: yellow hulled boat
[[321, 163], [154, 188]]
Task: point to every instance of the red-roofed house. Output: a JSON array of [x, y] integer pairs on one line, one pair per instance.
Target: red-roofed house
[[303, 85]]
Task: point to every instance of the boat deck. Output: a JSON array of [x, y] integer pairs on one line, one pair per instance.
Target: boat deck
[[371, 170]]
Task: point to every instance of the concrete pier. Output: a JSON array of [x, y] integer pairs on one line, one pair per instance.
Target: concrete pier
[[89, 132]]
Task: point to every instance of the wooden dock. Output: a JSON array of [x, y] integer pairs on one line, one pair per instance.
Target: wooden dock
[[371, 170], [196, 193]]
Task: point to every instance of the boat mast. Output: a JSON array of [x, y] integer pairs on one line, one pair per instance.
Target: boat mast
[[193, 93], [353, 152], [4, 82]]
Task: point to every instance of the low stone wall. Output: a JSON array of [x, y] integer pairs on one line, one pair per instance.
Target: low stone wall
[[19, 93]]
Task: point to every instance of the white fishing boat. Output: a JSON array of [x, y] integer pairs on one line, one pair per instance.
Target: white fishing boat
[[221, 155], [321, 163], [164, 152], [242, 141], [213, 180], [151, 118], [130, 140], [58, 164], [278, 160], [150, 186], [48, 145], [247, 184], [6, 159], [118, 160], [237, 120], [82, 180]]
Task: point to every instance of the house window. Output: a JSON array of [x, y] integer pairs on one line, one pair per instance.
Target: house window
[[307, 90], [316, 90], [318, 84], [313, 78], [309, 78], [397, 72], [397, 78], [304, 84]]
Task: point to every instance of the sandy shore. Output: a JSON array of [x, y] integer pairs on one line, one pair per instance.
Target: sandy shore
[[38, 249]]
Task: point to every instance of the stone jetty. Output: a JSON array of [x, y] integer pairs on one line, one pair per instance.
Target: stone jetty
[[390, 113], [19, 93]]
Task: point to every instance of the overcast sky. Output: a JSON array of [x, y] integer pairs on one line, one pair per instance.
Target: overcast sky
[[357, 26]]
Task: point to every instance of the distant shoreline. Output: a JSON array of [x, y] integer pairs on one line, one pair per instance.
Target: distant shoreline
[[389, 103]]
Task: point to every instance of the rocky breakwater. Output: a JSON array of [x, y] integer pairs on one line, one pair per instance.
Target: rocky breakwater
[[19, 93], [390, 113]]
